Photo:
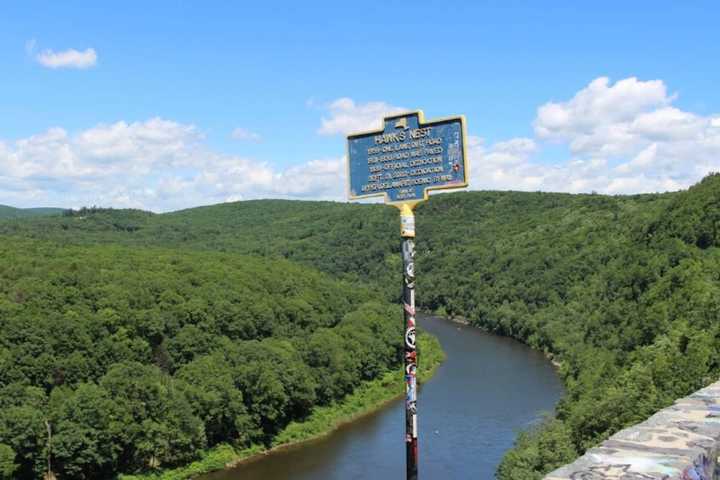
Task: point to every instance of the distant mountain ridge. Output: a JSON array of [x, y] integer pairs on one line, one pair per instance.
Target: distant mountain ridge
[[7, 211]]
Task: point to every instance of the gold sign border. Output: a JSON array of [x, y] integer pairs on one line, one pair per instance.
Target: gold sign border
[[421, 123]]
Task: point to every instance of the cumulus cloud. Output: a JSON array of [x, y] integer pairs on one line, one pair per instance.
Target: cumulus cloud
[[646, 143], [345, 116], [244, 134], [156, 164], [70, 58], [598, 119], [600, 104]]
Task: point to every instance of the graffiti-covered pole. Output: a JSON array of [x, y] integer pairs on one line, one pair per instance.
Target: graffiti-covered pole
[[402, 161], [407, 232]]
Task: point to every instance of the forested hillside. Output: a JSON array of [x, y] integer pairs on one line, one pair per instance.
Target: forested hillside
[[139, 358], [12, 212], [350, 241], [623, 290]]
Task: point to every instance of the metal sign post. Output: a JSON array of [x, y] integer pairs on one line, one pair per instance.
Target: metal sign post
[[407, 232], [402, 162]]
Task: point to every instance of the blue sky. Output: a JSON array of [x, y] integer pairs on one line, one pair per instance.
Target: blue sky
[[135, 104]]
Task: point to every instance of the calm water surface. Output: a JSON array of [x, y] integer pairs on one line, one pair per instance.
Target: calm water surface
[[468, 414]]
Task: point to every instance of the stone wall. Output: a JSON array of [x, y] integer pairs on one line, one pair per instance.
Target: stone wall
[[680, 442]]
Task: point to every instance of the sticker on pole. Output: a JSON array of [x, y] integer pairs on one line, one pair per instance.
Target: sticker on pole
[[408, 158]]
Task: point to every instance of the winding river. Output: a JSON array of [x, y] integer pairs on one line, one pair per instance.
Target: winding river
[[469, 413]]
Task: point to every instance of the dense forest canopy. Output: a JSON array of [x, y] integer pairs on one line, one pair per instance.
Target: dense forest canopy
[[142, 357], [623, 290]]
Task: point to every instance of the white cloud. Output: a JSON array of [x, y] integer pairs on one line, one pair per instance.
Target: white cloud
[[346, 116], [70, 58], [156, 164], [647, 143], [598, 119], [246, 135], [495, 167], [599, 104], [317, 179], [668, 124], [622, 138], [504, 165]]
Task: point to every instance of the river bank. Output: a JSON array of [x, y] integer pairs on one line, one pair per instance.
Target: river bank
[[460, 320], [487, 389], [366, 399]]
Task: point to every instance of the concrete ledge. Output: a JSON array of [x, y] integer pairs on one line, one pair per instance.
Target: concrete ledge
[[681, 442]]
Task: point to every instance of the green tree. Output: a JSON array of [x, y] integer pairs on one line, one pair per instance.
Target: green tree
[[7, 462], [85, 423]]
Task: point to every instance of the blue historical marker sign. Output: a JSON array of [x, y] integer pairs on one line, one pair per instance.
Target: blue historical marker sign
[[407, 158]]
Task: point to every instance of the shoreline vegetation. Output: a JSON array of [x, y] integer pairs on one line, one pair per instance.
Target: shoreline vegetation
[[367, 399], [460, 320]]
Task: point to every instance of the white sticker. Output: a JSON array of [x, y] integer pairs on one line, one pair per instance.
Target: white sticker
[[407, 225]]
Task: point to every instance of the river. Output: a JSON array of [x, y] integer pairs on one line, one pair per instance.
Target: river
[[469, 413]]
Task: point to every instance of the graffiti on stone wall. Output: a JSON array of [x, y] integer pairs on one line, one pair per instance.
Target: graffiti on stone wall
[[681, 442], [619, 472]]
